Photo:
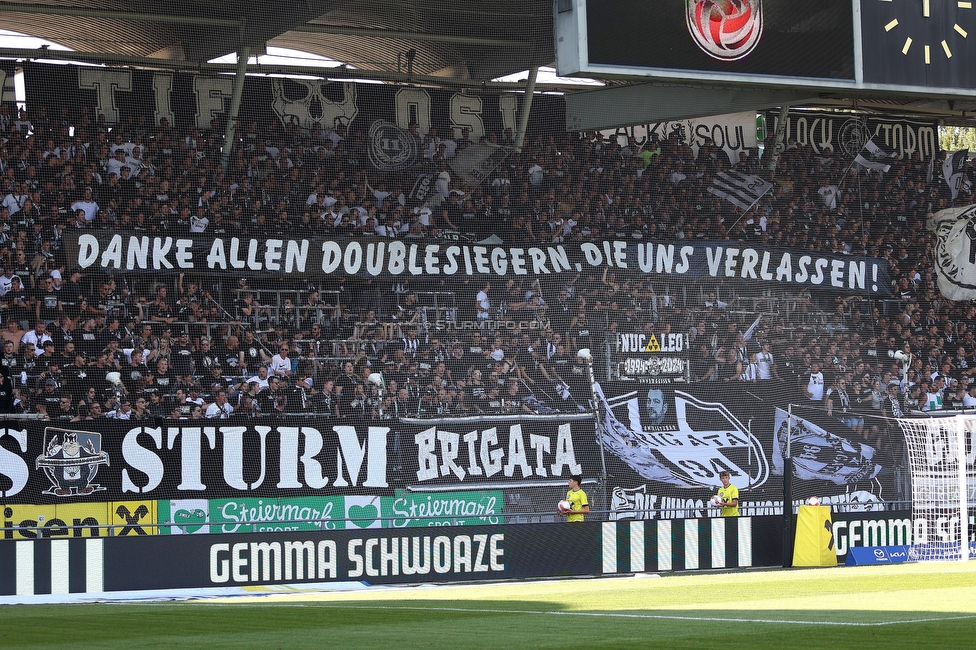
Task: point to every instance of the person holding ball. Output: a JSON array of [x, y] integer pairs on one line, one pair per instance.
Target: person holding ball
[[729, 495], [579, 505]]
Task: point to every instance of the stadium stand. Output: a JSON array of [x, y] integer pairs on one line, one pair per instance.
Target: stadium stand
[[171, 335]]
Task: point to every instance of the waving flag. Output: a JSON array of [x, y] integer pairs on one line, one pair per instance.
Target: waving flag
[[742, 190], [953, 170], [876, 156]]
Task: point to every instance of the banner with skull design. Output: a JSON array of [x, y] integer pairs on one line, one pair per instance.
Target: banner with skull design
[[399, 120]]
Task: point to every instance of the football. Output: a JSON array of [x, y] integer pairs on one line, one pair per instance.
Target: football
[[563, 507], [716, 500], [813, 501]]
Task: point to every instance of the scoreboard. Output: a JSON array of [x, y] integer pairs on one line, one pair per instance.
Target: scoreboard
[[904, 46]]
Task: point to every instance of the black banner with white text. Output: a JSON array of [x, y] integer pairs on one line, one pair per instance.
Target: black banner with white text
[[189, 100], [375, 257], [104, 461], [663, 447]]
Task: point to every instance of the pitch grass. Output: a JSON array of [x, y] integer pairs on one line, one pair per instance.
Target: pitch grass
[[908, 606]]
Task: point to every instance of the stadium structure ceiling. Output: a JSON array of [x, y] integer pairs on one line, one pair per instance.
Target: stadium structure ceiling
[[474, 40], [439, 42]]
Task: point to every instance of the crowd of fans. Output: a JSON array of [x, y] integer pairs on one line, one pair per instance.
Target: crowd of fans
[[198, 347]]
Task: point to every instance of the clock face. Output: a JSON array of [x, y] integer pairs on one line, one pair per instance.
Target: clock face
[[930, 43]]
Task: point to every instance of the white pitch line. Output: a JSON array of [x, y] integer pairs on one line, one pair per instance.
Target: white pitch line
[[645, 616]]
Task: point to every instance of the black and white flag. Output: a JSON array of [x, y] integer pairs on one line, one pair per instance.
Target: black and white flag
[[740, 189], [876, 156], [953, 170], [476, 163], [825, 456]]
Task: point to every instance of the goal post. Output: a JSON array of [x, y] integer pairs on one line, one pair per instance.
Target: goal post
[[940, 454]]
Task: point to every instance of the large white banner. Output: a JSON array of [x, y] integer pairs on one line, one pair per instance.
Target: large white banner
[[734, 132]]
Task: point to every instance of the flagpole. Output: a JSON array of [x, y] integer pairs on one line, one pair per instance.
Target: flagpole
[[745, 213], [843, 174], [860, 208]]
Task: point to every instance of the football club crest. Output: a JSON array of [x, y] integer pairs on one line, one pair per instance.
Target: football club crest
[[726, 30], [392, 148], [955, 251], [71, 460], [686, 449]]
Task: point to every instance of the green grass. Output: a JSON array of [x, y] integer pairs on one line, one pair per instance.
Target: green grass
[[909, 606]]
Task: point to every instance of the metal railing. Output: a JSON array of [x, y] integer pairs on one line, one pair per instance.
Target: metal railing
[[501, 517]]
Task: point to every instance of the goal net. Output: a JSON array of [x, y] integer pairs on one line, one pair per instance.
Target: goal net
[[940, 454]]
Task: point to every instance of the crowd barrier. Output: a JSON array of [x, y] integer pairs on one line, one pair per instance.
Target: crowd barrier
[[436, 554], [69, 560]]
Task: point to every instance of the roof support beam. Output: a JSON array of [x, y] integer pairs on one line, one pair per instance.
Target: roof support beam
[[83, 12], [243, 54], [319, 28], [523, 123], [338, 73]]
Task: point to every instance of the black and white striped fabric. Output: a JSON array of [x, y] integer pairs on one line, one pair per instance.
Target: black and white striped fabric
[[677, 544], [742, 190], [57, 566]]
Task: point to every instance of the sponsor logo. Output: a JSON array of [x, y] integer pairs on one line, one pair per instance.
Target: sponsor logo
[[363, 512], [726, 30], [79, 520], [71, 460], [408, 510], [191, 516]]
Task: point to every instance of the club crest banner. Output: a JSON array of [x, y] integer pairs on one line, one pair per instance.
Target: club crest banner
[[955, 251]]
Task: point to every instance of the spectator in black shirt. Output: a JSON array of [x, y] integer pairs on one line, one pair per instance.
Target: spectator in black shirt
[[273, 401], [9, 358], [47, 301], [77, 378], [326, 402], [17, 304], [181, 357], [86, 339], [163, 378]]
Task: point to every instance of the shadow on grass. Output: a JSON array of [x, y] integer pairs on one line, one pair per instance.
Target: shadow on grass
[[416, 623]]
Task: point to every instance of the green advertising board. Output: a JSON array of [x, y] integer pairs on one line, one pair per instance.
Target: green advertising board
[[254, 515], [410, 509], [251, 515]]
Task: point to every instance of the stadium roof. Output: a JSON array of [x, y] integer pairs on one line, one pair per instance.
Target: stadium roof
[[475, 40], [438, 42]]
